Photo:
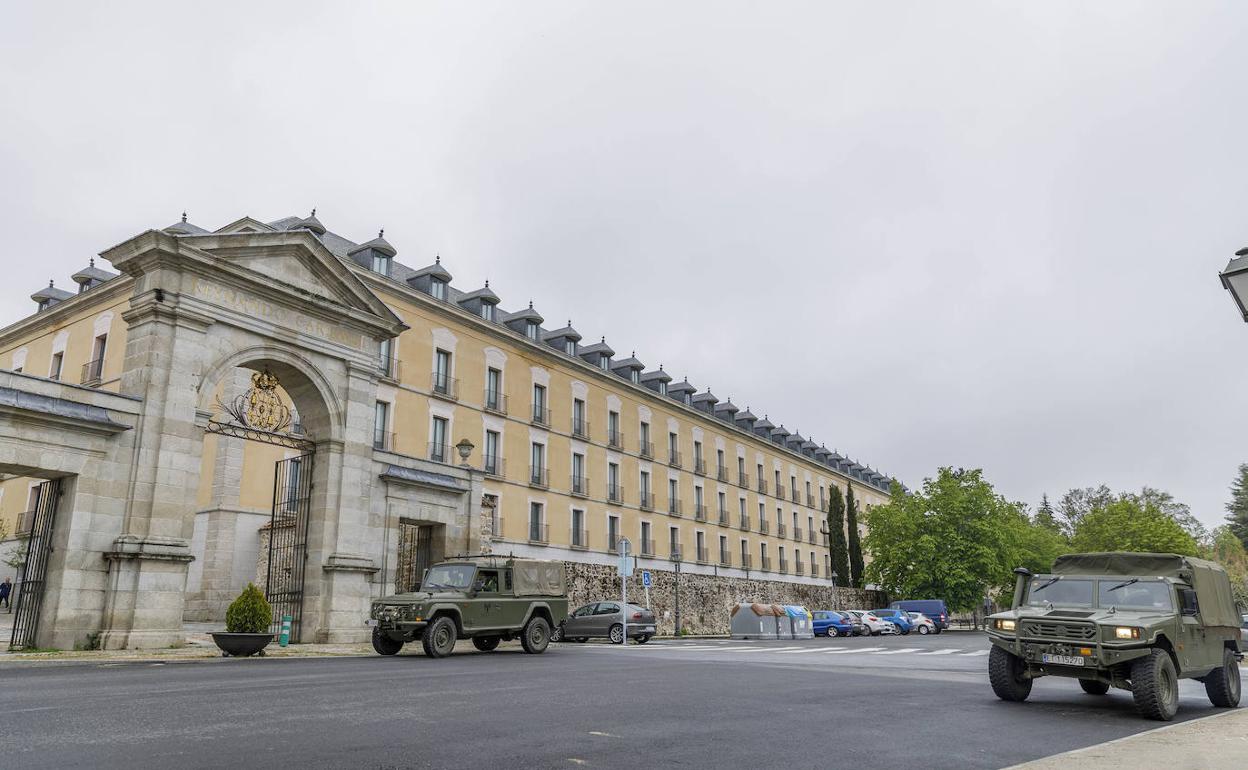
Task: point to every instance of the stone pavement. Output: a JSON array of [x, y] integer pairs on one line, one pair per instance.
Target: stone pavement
[[1218, 742]]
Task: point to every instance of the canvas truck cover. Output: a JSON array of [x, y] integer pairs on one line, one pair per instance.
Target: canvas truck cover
[[1213, 587], [539, 578]]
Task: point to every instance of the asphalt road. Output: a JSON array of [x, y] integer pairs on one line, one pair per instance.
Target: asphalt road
[[862, 703]]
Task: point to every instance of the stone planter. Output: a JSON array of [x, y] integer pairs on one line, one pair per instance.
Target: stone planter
[[241, 645]]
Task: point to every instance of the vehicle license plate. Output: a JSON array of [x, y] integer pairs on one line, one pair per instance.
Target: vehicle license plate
[[1062, 660], [370, 622]]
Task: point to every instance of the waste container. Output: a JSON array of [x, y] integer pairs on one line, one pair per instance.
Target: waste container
[[751, 620], [800, 622]]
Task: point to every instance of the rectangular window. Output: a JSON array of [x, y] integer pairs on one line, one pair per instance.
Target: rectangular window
[[578, 528], [537, 527], [662, 388], [385, 358], [644, 489], [569, 347], [723, 504], [494, 389], [381, 264], [539, 404], [493, 463], [613, 533], [673, 541], [613, 430], [487, 311], [437, 289], [614, 493], [381, 415], [604, 363], [580, 485], [438, 450], [531, 330], [745, 553], [55, 371], [635, 376], [643, 439], [700, 544], [697, 453], [647, 544], [537, 464], [442, 372], [579, 426], [723, 549], [673, 495], [93, 371]]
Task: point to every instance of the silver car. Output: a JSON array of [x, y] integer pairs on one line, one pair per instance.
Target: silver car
[[604, 620]]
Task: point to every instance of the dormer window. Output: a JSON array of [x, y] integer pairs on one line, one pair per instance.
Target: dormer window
[[604, 363], [662, 388], [437, 289], [381, 264], [569, 347], [635, 376], [487, 311], [688, 398], [83, 286], [44, 304], [530, 330]]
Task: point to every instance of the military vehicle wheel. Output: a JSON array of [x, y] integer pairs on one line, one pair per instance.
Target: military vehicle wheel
[[1006, 674], [1155, 686], [1223, 684], [616, 634], [439, 638], [535, 637], [384, 645], [486, 643], [1093, 687]]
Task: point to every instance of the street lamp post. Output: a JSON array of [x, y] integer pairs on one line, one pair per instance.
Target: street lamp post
[[834, 577], [1235, 279]]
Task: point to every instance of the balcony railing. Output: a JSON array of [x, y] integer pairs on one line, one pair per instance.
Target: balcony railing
[[388, 367], [539, 533], [613, 543], [579, 538], [747, 561], [765, 564], [615, 493], [580, 428], [794, 496], [798, 569], [779, 492], [646, 449], [496, 526], [25, 523], [699, 512], [674, 553], [439, 453], [814, 570], [703, 556], [743, 480], [762, 526], [92, 371], [827, 539], [784, 566], [615, 439], [699, 466], [495, 402], [722, 473], [797, 533], [541, 415], [647, 501], [723, 518], [673, 458], [444, 386], [762, 486], [779, 529], [580, 486], [745, 523], [647, 548], [494, 466], [810, 536], [673, 507], [810, 500], [383, 440], [539, 477], [725, 559]]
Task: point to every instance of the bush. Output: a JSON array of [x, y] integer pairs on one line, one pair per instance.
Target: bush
[[250, 613]]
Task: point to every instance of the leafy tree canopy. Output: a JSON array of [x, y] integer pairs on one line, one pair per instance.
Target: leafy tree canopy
[[1237, 508], [1131, 524]]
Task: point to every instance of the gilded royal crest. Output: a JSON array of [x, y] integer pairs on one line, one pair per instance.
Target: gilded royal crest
[[260, 407]]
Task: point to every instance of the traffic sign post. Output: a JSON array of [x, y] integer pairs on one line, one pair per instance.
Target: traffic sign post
[[626, 569], [645, 582]]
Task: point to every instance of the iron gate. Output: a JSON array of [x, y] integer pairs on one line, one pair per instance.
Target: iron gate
[[288, 540], [32, 575], [415, 554]]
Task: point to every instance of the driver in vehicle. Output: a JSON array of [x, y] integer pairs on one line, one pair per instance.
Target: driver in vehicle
[[487, 582]]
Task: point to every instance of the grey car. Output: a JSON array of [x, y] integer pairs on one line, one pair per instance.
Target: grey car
[[604, 620]]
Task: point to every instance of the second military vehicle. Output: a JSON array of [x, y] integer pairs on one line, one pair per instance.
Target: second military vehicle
[[487, 599], [1135, 621]]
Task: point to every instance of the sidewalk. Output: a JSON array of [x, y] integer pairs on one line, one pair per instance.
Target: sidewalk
[[1218, 742]]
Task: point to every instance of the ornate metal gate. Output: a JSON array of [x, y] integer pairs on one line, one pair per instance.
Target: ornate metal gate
[[32, 574], [288, 539]]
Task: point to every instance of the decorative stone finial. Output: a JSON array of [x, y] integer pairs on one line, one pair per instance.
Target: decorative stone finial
[[91, 262], [604, 339], [381, 233], [437, 260], [183, 216], [530, 304], [313, 212], [51, 283], [487, 283]]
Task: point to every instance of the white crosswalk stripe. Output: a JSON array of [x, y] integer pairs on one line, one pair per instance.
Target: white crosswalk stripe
[[900, 651], [844, 650], [975, 653], [946, 651]]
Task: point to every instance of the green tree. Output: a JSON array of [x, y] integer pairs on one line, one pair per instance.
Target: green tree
[[1131, 525], [1237, 508], [836, 539], [855, 540], [1226, 549], [1078, 503], [955, 539], [1047, 518]]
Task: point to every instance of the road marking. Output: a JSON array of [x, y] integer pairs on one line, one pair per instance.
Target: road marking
[[941, 652], [899, 651], [851, 649], [976, 653], [602, 734]]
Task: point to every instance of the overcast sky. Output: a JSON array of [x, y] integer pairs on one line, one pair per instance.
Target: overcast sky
[[974, 234]]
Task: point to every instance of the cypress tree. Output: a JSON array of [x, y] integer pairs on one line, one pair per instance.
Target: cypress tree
[[1237, 508], [836, 538], [855, 542]]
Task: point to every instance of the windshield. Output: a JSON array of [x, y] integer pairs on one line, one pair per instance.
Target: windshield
[[448, 576], [1139, 596], [1060, 592]]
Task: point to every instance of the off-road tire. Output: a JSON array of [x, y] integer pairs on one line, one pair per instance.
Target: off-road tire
[[1155, 685], [535, 637], [616, 634], [486, 643], [1223, 685], [1005, 673], [1093, 686], [384, 645], [439, 638]]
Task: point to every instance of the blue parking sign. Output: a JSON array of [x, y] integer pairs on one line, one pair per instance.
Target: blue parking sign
[[645, 578]]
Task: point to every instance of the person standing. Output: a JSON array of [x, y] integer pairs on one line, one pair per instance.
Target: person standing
[[5, 589]]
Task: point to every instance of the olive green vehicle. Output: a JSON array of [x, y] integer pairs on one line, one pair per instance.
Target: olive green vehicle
[[486, 599], [1135, 621]]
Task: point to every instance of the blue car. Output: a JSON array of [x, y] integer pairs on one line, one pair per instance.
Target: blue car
[[829, 623], [898, 618]]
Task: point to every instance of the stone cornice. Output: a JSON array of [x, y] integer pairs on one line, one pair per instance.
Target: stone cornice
[[106, 293]]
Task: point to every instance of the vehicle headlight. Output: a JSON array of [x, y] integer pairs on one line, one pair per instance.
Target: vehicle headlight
[[1003, 625], [1126, 632]]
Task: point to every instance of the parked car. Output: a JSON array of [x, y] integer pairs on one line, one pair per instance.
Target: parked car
[[859, 628], [899, 618], [933, 608], [874, 625], [829, 623], [922, 623], [1243, 630], [604, 620]]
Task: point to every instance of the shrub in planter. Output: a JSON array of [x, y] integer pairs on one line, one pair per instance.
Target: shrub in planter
[[250, 613]]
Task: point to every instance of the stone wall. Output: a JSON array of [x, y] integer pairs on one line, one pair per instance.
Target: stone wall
[[706, 600]]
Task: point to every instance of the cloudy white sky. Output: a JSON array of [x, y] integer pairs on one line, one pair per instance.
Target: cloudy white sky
[[975, 234]]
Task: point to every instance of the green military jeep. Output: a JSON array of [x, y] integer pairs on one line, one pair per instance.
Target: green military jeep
[[1136, 621], [488, 599]]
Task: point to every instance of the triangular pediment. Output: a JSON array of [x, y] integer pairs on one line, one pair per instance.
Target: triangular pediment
[[246, 225]]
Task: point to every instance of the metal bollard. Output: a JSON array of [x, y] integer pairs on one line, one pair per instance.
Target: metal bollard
[[283, 639]]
